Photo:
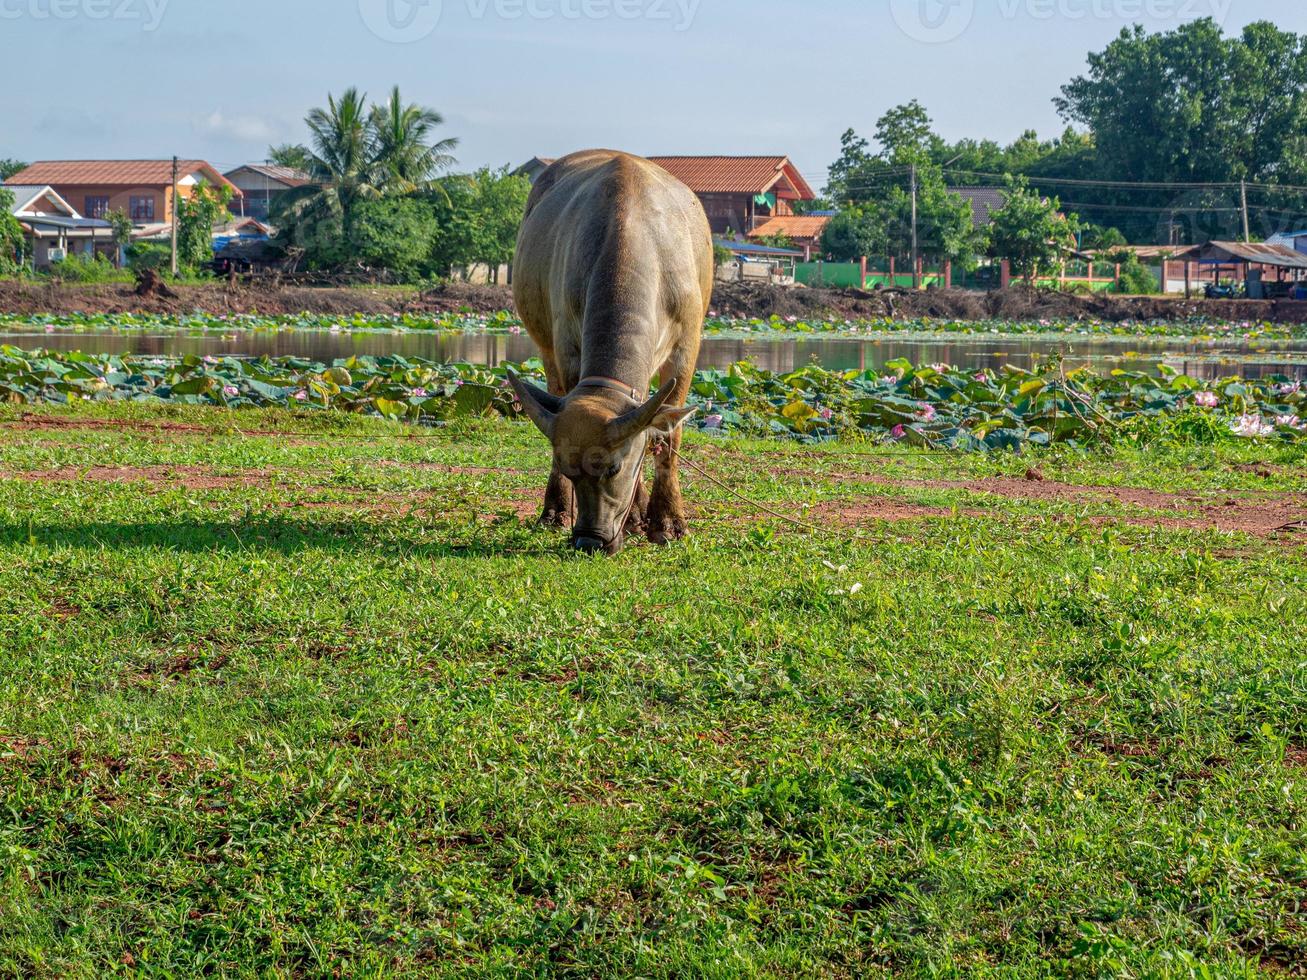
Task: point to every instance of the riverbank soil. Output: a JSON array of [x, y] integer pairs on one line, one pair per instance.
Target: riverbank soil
[[729, 299]]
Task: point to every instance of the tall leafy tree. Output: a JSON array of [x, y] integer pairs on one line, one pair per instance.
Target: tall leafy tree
[[9, 167], [875, 194], [196, 216]]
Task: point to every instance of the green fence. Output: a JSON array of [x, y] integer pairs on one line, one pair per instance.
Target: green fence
[[849, 274]]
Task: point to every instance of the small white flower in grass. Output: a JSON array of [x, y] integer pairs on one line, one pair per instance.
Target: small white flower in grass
[[1207, 399], [1251, 427]]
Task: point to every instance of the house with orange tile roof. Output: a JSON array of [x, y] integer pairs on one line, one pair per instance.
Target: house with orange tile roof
[[141, 188], [738, 193], [803, 230]]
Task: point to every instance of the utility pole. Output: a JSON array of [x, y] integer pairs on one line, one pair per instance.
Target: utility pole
[[916, 264], [174, 217], [1243, 196]]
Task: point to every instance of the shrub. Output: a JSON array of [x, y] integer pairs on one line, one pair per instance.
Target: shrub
[[85, 268], [149, 255]]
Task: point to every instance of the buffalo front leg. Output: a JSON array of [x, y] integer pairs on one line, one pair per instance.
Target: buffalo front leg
[[559, 500], [665, 517]]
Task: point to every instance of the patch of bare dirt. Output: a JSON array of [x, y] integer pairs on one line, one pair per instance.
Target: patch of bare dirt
[[187, 477]]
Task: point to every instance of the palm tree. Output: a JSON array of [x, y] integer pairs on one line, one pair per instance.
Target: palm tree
[[341, 160], [357, 153], [404, 153]]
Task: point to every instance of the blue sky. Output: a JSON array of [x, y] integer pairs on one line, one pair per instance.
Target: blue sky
[[516, 78]]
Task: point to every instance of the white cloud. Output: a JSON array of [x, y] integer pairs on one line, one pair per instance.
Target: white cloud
[[246, 129]]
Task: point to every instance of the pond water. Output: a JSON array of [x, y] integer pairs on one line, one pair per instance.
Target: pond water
[[1206, 359]]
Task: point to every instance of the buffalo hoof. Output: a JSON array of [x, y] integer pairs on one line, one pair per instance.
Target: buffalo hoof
[[665, 530], [554, 518]]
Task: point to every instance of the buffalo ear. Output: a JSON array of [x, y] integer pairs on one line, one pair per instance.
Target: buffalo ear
[[540, 406]]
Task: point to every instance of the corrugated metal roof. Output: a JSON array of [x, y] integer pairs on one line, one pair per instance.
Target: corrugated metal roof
[[734, 175], [748, 248], [1287, 238], [283, 175], [1257, 253], [794, 226], [114, 173]]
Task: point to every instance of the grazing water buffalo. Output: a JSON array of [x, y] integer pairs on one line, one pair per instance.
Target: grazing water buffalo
[[612, 278]]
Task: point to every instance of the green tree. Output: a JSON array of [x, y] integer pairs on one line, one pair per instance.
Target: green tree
[[876, 194], [1031, 232], [121, 226], [479, 216], [9, 167], [1194, 106], [291, 155], [405, 154], [12, 242], [196, 217], [356, 154], [394, 233]]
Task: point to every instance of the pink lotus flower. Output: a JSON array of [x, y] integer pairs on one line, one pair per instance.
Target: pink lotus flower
[[826, 413], [713, 422], [419, 393], [1251, 427], [927, 412], [1207, 399], [49, 328], [210, 359], [941, 368], [982, 377], [898, 432], [515, 329], [1288, 422], [230, 391], [301, 395]]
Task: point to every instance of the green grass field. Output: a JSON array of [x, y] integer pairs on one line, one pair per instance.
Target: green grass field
[[311, 696]]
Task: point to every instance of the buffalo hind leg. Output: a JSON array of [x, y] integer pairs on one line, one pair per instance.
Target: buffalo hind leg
[[665, 518], [559, 501]]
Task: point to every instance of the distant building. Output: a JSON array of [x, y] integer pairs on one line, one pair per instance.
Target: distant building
[[738, 193], [141, 188], [984, 202], [262, 185], [53, 229], [1296, 240], [804, 230]]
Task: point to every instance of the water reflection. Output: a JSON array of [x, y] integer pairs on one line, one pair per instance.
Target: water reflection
[[1200, 359]]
